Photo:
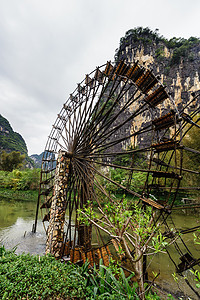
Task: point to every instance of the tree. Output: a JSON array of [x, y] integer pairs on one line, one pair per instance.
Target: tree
[[133, 229], [11, 161]]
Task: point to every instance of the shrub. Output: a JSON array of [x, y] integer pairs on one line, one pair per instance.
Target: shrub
[[44, 278], [35, 277], [20, 180]]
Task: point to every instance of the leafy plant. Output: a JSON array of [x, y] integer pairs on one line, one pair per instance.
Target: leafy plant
[[20, 180], [43, 277], [11, 161], [133, 229], [39, 277], [196, 274], [196, 238]]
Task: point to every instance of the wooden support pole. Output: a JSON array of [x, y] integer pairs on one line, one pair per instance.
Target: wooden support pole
[[55, 231]]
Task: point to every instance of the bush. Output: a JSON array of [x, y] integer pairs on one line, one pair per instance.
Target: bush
[[35, 277], [10, 161], [43, 277], [122, 177], [20, 180]]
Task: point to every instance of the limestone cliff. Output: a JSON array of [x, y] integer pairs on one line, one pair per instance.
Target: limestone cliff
[[176, 62], [13, 141], [10, 140]]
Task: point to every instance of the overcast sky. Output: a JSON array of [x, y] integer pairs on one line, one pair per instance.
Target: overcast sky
[[47, 47]]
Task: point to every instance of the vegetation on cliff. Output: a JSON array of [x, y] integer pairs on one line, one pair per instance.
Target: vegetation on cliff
[[179, 47], [191, 160], [37, 158], [10, 140]]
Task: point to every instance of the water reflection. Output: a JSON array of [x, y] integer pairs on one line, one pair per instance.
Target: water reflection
[[19, 235], [163, 264], [16, 221], [11, 210]]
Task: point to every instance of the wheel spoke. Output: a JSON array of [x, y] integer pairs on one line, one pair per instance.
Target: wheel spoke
[[116, 124]]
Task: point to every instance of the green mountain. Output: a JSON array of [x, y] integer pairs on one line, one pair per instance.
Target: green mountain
[[37, 158], [10, 140]]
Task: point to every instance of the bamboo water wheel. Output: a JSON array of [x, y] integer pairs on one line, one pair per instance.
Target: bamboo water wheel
[[120, 117]]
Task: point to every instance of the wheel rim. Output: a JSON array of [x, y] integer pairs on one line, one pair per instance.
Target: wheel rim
[[93, 130]]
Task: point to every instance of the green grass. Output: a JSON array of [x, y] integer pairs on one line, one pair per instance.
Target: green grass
[[29, 195]]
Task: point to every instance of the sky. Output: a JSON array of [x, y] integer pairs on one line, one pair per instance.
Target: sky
[[47, 47]]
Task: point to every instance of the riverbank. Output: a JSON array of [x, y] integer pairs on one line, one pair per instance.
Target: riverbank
[[29, 195]]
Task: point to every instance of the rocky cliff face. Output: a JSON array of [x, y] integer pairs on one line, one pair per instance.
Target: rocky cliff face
[[175, 62], [13, 141], [10, 140], [37, 158]]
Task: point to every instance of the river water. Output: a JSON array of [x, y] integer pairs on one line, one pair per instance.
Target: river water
[[17, 218], [16, 221]]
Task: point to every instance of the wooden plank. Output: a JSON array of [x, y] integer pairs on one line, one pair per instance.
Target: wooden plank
[[160, 174], [157, 97], [165, 121], [121, 68], [166, 146], [99, 76], [109, 69], [89, 81]]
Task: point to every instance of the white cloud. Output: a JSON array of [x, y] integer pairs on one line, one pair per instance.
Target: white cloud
[[48, 46]]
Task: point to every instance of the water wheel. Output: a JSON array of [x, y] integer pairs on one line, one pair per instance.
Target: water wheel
[[120, 117]]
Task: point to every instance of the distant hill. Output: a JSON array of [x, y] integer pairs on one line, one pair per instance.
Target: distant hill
[[10, 140], [13, 141], [37, 158]]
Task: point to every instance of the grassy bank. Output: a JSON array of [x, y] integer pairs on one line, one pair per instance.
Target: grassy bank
[[20, 180], [30, 195], [34, 277], [20, 185]]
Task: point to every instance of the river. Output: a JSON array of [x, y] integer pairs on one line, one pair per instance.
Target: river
[[17, 218], [16, 221]]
